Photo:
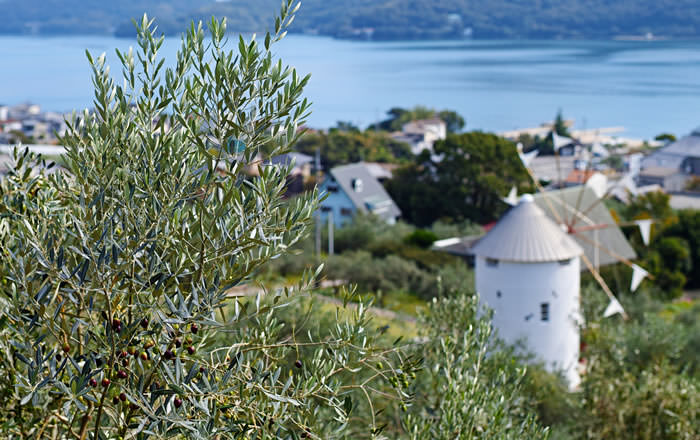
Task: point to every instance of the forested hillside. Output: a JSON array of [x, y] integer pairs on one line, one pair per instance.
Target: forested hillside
[[376, 19]]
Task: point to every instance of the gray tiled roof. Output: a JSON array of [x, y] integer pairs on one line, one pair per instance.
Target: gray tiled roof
[[372, 197], [672, 156]]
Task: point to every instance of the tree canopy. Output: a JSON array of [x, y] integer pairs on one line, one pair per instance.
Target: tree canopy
[[465, 179]]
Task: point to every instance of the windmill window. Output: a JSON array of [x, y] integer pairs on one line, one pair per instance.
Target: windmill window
[[544, 312], [492, 262], [498, 294]]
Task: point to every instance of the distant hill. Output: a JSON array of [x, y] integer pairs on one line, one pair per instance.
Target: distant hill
[[376, 19]]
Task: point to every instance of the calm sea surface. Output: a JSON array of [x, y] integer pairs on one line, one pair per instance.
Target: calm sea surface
[[647, 87]]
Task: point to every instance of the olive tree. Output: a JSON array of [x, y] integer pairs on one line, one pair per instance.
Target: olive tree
[[117, 317], [471, 385]]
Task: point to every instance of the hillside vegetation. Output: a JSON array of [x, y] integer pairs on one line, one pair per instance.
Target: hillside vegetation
[[387, 19]]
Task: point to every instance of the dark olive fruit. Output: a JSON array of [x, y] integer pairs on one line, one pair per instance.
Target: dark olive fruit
[[115, 400], [93, 383], [202, 369], [177, 342], [168, 355], [66, 348], [116, 322], [177, 402], [58, 357], [122, 374], [105, 382], [297, 363], [144, 323], [122, 397], [194, 328], [132, 406], [190, 350], [144, 356], [125, 362], [123, 354]]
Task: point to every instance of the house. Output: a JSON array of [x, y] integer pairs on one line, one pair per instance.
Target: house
[[578, 177], [302, 162], [680, 159], [670, 179], [352, 189], [422, 134], [381, 171], [299, 174]]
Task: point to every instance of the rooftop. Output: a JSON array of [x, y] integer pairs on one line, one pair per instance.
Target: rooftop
[[526, 235]]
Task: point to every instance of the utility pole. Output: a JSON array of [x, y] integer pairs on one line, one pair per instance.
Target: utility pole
[[331, 224], [318, 237]]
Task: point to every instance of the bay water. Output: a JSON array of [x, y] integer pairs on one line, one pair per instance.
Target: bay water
[[649, 87]]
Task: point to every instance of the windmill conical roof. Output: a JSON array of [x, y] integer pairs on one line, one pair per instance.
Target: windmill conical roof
[[525, 234]]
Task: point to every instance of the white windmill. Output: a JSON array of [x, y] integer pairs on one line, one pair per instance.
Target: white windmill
[[528, 267], [528, 272]]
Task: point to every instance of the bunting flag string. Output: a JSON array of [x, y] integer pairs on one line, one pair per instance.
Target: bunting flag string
[[527, 158], [644, 229], [638, 274], [613, 308], [512, 198]]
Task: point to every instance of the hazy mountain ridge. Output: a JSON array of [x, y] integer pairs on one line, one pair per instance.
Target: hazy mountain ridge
[[376, 19]]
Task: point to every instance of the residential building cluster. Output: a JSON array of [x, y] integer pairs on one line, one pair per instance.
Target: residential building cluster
[[28, 124]]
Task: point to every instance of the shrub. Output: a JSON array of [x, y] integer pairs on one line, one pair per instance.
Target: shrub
[[469, 388], [421, 238]]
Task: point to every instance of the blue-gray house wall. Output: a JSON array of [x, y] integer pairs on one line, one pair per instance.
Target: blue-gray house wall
[[337, 202]]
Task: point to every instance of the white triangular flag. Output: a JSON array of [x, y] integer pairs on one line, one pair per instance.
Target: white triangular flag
[[598, 183], [638, 275], [613, 308], [512, 198], [644, 229], [527, 158], [560, 141], [627, 182]]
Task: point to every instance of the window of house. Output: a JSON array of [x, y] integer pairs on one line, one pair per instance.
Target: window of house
[[357, 185], [544, 312], [346, 211], [326, 209], [332, 188], [492, 262], [565, 262]]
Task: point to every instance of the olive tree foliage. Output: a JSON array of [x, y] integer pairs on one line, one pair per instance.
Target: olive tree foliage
[[117, 320], [471, 385]]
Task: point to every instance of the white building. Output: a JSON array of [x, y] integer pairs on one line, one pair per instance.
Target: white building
[[422, 134], [528, 273]]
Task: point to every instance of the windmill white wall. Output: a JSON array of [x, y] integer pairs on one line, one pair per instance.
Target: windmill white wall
[[537, 303], [528, 273]]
